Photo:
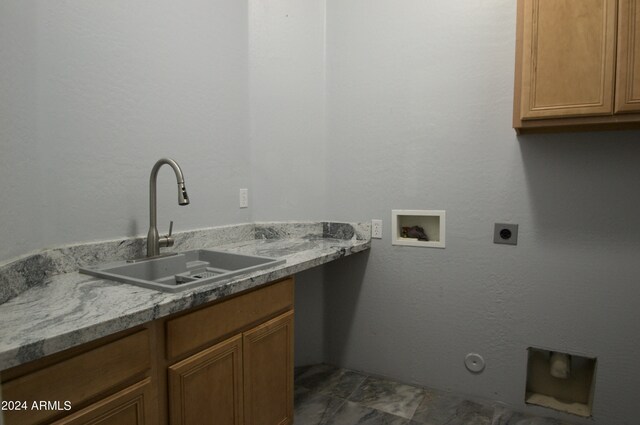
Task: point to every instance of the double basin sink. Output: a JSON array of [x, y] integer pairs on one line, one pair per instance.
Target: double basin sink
[[182, 271]]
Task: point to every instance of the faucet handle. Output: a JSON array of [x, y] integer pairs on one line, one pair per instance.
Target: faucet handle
[[166, 241]]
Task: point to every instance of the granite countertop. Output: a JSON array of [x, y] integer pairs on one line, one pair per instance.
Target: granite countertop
[[52, 307]]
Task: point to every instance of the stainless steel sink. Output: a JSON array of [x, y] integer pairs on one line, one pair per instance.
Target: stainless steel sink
[[182, 271]]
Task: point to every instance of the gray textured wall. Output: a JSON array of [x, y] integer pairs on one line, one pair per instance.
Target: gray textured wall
[[93, 93], [287, 102], [419, 101]]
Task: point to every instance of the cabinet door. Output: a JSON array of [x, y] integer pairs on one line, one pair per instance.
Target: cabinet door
[[206, 388], [268, 372], [568, 58], [628, 71], [131, 406]]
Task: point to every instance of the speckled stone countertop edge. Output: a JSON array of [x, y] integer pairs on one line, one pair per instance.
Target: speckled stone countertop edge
[[74, 309]]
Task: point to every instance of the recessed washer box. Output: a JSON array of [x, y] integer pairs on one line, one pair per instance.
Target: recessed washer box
[[570, 392], [404, 231]]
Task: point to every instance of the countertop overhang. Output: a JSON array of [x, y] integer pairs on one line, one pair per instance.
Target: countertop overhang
[[69, 309]]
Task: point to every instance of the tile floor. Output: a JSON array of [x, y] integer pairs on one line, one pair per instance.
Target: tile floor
[[326, 395]]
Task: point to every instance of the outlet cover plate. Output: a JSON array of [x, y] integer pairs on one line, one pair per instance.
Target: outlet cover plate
[[244, 198], [505, 233], [376, 229]]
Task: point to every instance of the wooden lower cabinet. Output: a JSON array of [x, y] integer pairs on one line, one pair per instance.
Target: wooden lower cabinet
[[130, 406], [229, 362], [78, 379], [268, 372], [206, 388], [246, 379]]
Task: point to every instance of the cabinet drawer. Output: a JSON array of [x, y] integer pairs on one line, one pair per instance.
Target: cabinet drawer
[[195, 330], [79, 378], [131, 406]]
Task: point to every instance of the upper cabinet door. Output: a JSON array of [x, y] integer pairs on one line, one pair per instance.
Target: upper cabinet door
[[568, 58], [628, 73]]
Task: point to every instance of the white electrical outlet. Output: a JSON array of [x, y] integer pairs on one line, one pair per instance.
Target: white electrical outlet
[[376, 229], [244, 198]]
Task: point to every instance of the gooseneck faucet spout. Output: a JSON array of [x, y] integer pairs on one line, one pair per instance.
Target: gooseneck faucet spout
[[154, 241]]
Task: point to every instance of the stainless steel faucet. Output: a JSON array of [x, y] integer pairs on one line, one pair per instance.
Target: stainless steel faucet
[[154, 241]]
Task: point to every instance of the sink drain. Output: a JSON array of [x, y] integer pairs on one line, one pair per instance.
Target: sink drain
[[204, 275]]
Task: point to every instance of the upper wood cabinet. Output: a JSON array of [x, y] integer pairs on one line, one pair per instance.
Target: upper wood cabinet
[[569, 66], [577, 65], [628, 72]]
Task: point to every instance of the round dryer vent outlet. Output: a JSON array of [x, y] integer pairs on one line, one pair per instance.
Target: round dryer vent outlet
[[474, 362]]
